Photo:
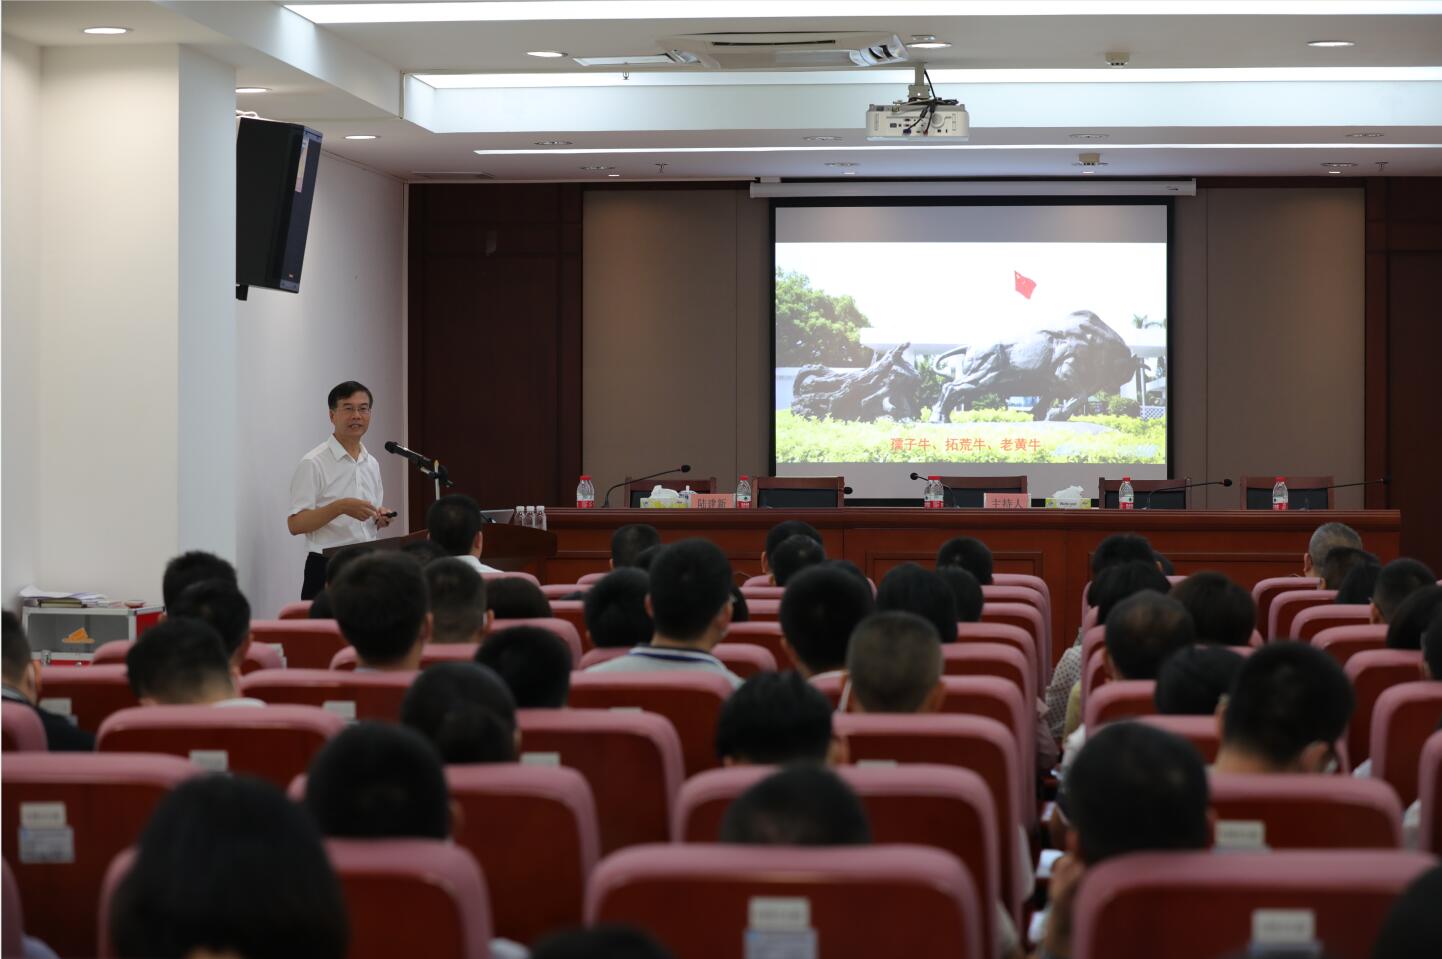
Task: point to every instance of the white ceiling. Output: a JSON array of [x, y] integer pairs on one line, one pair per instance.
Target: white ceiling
[[351, 78]]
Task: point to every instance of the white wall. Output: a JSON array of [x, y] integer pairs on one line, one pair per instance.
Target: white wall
[[346, 323]]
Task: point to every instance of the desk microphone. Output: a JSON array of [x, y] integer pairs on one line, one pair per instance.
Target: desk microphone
[[1184, 486], [420, 459], [606, 500]]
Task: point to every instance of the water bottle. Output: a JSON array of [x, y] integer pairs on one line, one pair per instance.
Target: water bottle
[[518, 516], [540, 517], [743, 492], [528, 520], [935, 498], [687, 495], [585, 494], [1279, 493], [1126, 498]]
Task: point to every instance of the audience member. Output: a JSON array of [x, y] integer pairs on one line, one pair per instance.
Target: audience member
[[379, 781], [801, 805], [1142, 631], [1398, 580], [970, 554], [646, 556], [1432, 649], [228, 867], [1413, 927], [1326, 538], [1222, 611], [819, 610], [182, 662], [1194, 679], [466, 712], [690, 605], [320, 607], [894, 665], [1287, 707], [1412, 616], [424, 551], [1341, 560], [1122, 581], [909, 588], [534, 663], [781, 532], [740, 611], [615, 609], [794, 554], [629, 541], [195, 566], [1358, 585], [22, 685], [225, 608], [454, 523], [458, 602], [1164, 564], [1121, 548], [776, 718], [965, 593], [382, 606], [600, 942], [847, 566], [515, 597]]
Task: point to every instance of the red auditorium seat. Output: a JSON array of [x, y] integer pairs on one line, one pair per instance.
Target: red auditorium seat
[[300, 609], [767, 634], [743, 659], [1123, 699], [12, 935], [938, 806], [1132, 906], [573, 611], [1026, 596], [346, 660], [258, 656], [1023, 579], [1200, 731], [591, 579], [1371, 673], [631, 760], [1307, 812], [989, 659], [1429, 789], [1312, 620], [929, 900], [1404, 717], [1344, 642], [1013, 636], [89, 693], [1268, 590], [275, 742], [690, 699], [764, 610], [305, 643], [103, 802], [533, 831], [762, 592], [557, 592], [21, 729], [754, 581], [351, 695], [510, 574], [560, 627], [1281, 617], [1029, 619]]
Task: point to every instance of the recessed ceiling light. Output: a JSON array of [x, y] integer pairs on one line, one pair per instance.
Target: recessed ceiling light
[[1364, 136], [597, 169], [553, 143], [1334, 171], [252, 89], [613, 174], [839, 163], [545, 54], [362, 136], [105, 31], [1089, 136], [822, 139], [848, 173], [1088, 172], [1338, 165], [1330, 43], [926, 41]]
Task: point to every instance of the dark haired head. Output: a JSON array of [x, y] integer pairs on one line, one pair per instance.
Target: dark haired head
[[381, 604], [690, 590], [630, 540], [379, 781], [894, 663], [1413, 926], [819, 609], [16, 655], [453, 522], [774, 718], [465, 711], [346, 555], [1222, 611], [1164, 564], [1341, 560], [802, 805], [223, 606], [458, 601], [515, 597], [600, 942], [1398, 580], [346, 390], [1134, 788], [1194, 679], [740, 610], [1358, 585], [1432, 647], [1287, 697], [533, 662], [1121, 548], [179, 662], [424, 551], [909, 588], [1143, 631], [646, 557], [794, 554], [195, 566], [783, 531], [275, 895], [615, 609], [1116, 583], [1413, 615], [965, 592], [968, 552]]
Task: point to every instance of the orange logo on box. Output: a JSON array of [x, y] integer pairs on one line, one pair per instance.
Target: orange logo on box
[[713, 500], [79, 636], [1006, 501]]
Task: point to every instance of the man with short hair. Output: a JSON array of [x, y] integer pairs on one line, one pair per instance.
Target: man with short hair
[[21, 675], [225, 608], [819, 610], [615, 609], [1119, 582], [912, 589], [781, 532], [182, 662], [382, 606], [801, 805], [629, 541], [534, 662], [1412, 616], [776, 718], [320, 602], [1287, 708], [336, 492], [191, 567], [1339, 561], [1222, 611], [690, 605], [1121, 548], [458, 601], [794, 554], [454, 523], [894, 665], [1326, 538], [1398, 580], [966, 593], [970, 553]]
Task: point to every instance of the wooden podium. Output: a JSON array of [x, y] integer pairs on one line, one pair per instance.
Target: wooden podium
[[511, 548]]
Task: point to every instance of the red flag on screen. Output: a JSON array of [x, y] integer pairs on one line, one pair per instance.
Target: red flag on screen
[[1024, 286]]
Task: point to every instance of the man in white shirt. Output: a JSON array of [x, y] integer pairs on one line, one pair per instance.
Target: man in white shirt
[[336, 492], [454, 523]]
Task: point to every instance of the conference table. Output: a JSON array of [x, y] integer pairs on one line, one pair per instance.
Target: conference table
[[1055, 544]]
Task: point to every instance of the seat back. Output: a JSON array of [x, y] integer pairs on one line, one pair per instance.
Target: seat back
[[64, 816], [1122, 699], [305, 643], [510, 573], [766, 634], [1028, 618], [21, 728], [573, 611], [1404, 717], [1305, 812], [690, 699], [1371, 673], [989, 659], [300, 609], [1344, 642], [762, 592], [590, 579], [1429, 792], [1200, 731], [350, 695], [631, 761], [562, 628], [1031, 582], [764, 610], [257, 656], [1312, 620], [1303, 492], [557, 592], [761, 579], [1269, 589], [1281, 617], [930, 902], [275, 743], [1127, 902], [1013, 636], [346, 660], [533, 831], [798, 492], [88, 693]]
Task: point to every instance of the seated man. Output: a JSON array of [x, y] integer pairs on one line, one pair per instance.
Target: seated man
[[970, 554], [894, 665], [794, 554], [1341, 560], [781, 532], [534, 663], [382, 606], [690, 603], [801, 805], [465, 711], [819, 610], [182, 662], [1287, 708], [1412, 616], [1358, 585], [454, 523], [196, 566], [1194, 680], [22, 685], [965, 592], [776, 718], [458, 602], [1326, 538], [225, 608], [911, 589], [1414, 925], [515, 597], [320, 602], [1398, 580], [1222, 611], [629, 541], [615, 609]]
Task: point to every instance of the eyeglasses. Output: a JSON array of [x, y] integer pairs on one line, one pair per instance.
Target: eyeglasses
[[363, 409]]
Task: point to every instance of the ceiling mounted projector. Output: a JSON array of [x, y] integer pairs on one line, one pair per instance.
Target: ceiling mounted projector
[[922, 115]]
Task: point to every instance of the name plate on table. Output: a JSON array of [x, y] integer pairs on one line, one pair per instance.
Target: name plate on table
[[713, 501], [1005, 501]]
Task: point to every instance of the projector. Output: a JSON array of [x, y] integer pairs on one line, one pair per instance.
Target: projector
[[931, 120]]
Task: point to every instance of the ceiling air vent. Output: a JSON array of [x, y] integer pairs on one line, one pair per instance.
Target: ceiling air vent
[[755, 51], [451, 175]]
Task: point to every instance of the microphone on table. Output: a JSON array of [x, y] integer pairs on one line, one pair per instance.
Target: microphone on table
[[1382, 481], [1184, 486], [425, 463], [606, 500]]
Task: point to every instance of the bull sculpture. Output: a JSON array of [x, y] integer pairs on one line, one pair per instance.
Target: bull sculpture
[[1066, 365], [886, 388]]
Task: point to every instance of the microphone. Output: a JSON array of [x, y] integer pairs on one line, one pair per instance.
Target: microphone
[[606, 500], [420, 459], [1184, 486], [1383, 481]]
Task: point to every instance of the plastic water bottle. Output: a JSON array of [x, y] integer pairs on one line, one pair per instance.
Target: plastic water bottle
[[540, 517], [518, 516], [688, 494], [1279, 493], [935, 497], [743, 492], [585, 494], [1126, 497]]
